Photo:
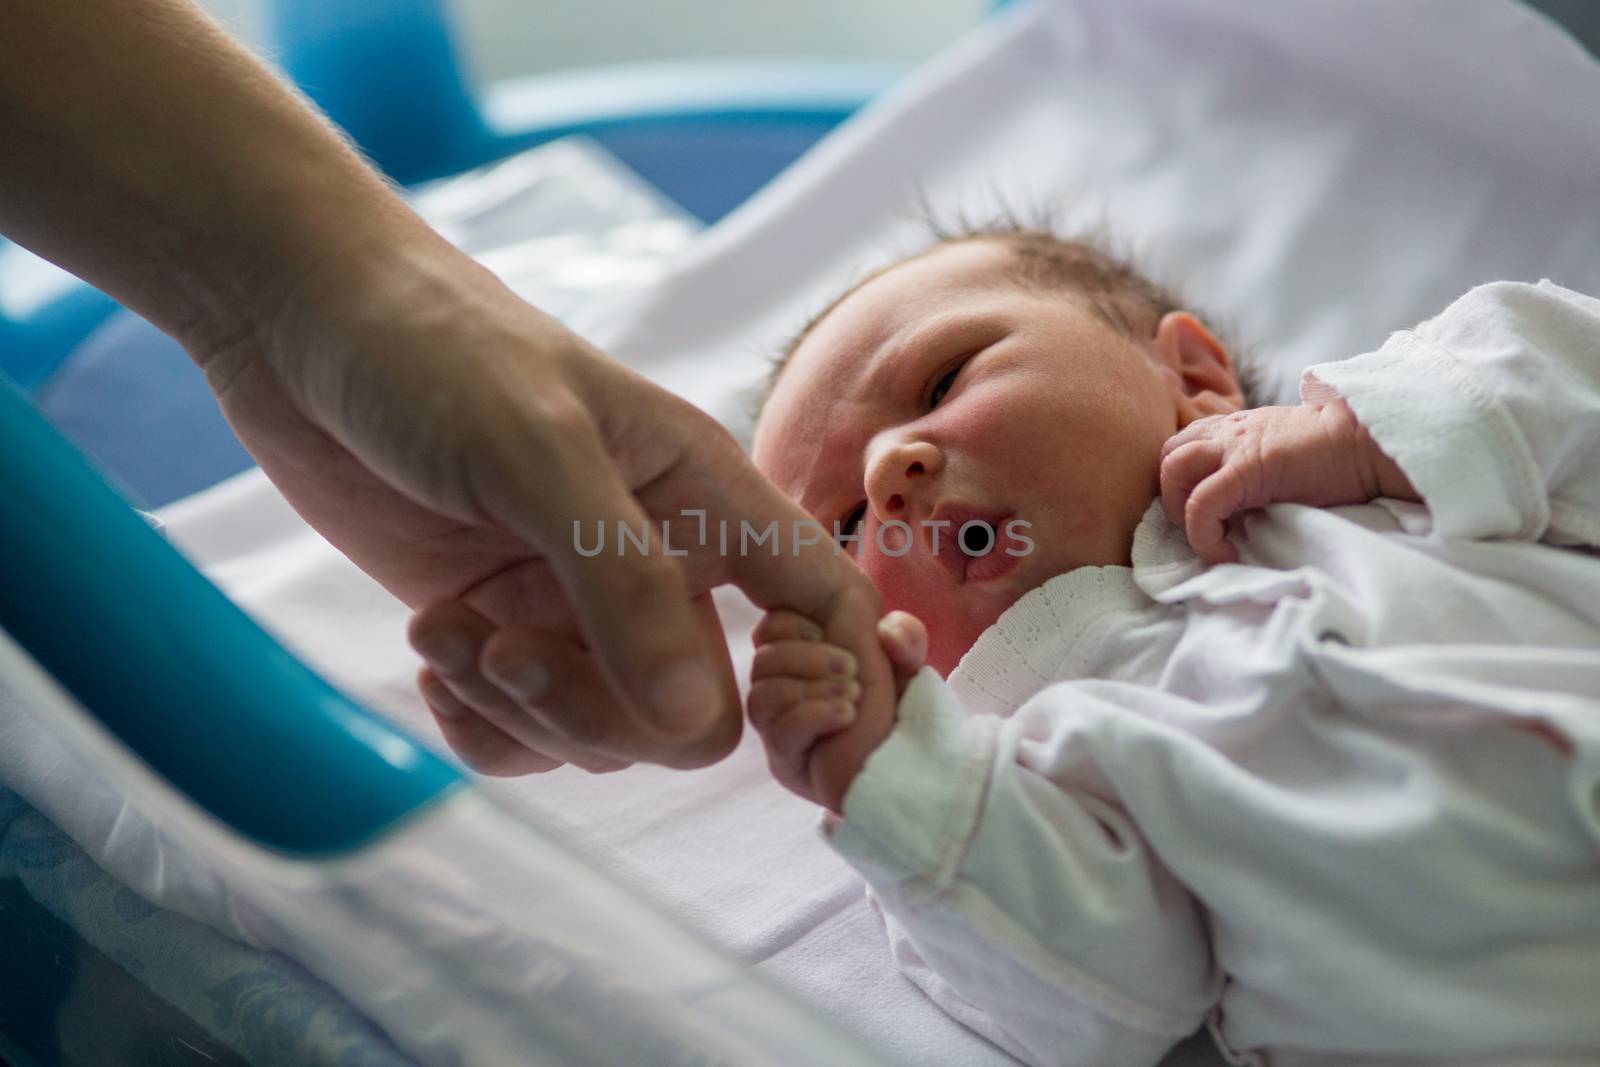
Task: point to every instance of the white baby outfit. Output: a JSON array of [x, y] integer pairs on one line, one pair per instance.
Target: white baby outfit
[[1341, 800]]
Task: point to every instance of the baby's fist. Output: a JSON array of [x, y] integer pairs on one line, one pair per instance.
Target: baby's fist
[[817, 723], [1315, 454]]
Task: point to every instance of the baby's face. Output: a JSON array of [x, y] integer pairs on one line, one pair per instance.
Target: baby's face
[[942, 390]]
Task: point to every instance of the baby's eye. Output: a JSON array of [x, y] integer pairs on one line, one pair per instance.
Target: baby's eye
[[943, 386]]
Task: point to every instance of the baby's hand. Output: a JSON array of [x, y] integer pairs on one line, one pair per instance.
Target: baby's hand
[[1316, 454], [816, 722]]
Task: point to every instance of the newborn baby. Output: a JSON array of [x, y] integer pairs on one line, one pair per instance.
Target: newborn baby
[[1285, 719]]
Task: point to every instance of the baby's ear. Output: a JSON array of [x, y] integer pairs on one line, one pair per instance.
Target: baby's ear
[[1201, 364]]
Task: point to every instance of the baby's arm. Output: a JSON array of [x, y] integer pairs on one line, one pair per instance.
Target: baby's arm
[[1492, 408], [1489, 413], [1050, 923], [1314, 453]]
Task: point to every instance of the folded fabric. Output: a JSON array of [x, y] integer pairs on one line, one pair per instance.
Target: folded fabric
[[262, 1006]]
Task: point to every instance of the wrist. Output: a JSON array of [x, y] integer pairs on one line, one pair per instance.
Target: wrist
[[1373, 473], [403, 292], [1391, 481], [1379, 473], [287, 288]]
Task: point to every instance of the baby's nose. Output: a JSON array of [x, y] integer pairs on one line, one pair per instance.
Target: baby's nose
[[898, 474]]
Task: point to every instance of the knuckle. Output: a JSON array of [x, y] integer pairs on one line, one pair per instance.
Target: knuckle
[[561, 418]]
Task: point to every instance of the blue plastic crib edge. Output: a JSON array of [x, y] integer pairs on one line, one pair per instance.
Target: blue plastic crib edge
[[178, 673]]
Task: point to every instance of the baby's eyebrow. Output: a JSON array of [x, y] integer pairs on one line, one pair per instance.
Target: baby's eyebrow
[[940, 333]]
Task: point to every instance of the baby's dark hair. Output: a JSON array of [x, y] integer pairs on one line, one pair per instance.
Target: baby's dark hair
[[1045, 261]]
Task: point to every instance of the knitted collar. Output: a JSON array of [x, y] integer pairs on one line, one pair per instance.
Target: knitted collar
[[1030, 645]]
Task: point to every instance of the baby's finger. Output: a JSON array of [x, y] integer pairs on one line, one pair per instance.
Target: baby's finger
[[781, 624], [1183, 470], [1213, 503], [790, 737], [481, 745], [905, 642], [802, 659], [771, 697], [1198, 430]]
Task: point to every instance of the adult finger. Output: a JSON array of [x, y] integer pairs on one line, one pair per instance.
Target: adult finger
[[442, 633], [632, 603], [557, 683], [818, 583], [481, 745]]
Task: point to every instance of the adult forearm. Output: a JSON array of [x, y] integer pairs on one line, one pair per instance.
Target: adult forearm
[[145, 151]]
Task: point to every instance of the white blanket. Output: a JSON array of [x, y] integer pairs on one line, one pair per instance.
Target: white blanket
[[1314, 173]]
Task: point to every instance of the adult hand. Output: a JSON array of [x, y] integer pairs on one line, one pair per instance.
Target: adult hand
[[438, 430], [449, 438]]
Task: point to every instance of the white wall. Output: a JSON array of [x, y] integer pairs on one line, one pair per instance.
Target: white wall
[[504, 38]]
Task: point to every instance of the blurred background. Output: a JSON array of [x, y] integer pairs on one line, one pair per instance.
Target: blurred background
[[509, 38], [681, 111]]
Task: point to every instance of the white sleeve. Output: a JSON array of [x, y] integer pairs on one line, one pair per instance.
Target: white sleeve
[[999, 849], [1492, 409]]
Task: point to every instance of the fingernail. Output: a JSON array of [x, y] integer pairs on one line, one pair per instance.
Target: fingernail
[[449, 650], [898, 625], [841, 663], [684, 695], [845, 712], [811, 632], [849, 689], [527, 681]]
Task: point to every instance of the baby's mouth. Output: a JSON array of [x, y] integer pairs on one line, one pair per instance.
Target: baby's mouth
[[978, 538], [986, 557], [971, 549]]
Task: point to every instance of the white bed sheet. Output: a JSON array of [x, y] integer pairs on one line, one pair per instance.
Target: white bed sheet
[[1317, 173]]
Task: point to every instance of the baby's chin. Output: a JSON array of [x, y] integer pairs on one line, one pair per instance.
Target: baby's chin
[[956, 623], [951, 635]]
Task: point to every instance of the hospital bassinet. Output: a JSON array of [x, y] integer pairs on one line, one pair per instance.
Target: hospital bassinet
[[339, 841]]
